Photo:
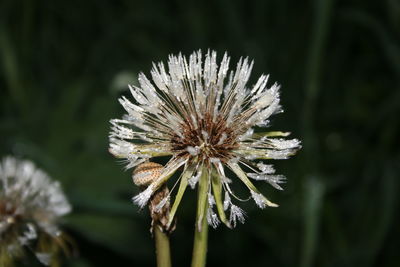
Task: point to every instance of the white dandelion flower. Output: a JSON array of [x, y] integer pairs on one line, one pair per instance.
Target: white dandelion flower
[[30, 205], [207, 119]]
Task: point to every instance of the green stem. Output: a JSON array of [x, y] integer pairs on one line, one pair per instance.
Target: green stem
[[200, 245], [201, 230], [5, 259], [162, 248]]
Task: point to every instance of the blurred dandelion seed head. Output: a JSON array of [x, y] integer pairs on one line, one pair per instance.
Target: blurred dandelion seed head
[[30, 204], [203, 115]]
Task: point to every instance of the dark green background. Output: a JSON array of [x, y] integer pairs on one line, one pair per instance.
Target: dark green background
[[63, 65]]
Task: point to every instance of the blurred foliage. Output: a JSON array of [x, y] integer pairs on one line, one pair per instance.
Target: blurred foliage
[[63, 65]]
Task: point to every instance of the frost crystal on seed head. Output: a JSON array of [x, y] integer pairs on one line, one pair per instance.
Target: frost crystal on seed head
[[203, 115], [212, 218], [273, 180], [142, 198], [194, 179], [227, 200], [267, 169], [193, 150], [162, 203], [237, 214], [44, 258], [259, 199]]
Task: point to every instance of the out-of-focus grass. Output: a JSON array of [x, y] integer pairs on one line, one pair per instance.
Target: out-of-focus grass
[[61, 68]]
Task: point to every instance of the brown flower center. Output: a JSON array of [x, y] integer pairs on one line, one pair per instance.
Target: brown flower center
[[208, 139]]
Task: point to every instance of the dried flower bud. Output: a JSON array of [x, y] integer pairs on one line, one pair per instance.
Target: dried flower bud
[[159, 203], [146, 173]]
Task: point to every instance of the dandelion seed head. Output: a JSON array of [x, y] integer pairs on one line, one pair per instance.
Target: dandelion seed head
[[203, 116], [30, 206]]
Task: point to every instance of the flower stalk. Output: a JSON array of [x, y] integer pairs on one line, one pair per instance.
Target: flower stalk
[[201, 229], [5, 259], [162, 248]]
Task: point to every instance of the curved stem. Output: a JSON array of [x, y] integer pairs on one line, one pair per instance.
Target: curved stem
[[201, 230], [162, 248]]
